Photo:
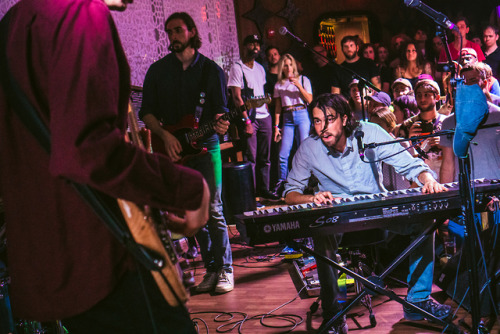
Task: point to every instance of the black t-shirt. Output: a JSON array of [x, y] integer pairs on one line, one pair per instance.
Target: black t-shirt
[[322, 79], [493, 60], [271, 80], [366, 68]]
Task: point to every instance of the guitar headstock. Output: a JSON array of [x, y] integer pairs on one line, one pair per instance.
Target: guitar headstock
[[258, 101]]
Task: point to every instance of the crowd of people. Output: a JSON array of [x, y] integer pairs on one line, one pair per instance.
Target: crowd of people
[[84, 276]]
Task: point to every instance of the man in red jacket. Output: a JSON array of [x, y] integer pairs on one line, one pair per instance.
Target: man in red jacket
[[63, 261]]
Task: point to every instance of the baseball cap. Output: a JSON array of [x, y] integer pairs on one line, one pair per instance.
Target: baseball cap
[[252, 39], [402, 81], [428, 82], [468, 51], [380, 97]]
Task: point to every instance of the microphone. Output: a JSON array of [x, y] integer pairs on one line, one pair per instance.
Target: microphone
[[361, 148], [438, 17], [283, 31]]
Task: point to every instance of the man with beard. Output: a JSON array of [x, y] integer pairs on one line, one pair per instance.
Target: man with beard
[[184, 85], [247, 79], [366, 68], [79, 84], [331, 155], [427, 121]]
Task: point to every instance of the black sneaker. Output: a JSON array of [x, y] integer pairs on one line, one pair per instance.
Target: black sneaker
[[438, 310], [338, 327]]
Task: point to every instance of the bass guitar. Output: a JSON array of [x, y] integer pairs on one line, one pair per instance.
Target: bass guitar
[[148, 228], [188, 133]]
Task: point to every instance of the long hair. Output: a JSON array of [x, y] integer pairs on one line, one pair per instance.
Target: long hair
[[338, 103], [195, 41], [404, 60], [281, 63]]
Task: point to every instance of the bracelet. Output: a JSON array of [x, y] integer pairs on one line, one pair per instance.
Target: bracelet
[[277, 127], [248, 121]]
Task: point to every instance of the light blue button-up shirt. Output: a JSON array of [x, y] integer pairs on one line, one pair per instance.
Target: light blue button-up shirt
[[345, 174]]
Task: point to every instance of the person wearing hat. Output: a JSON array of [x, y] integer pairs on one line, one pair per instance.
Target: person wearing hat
[[171, 95], [247, 79], [377, 99], [401, 86], [427, 121], [468, 56]]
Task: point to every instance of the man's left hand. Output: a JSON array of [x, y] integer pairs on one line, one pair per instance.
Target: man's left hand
[[222, 125]]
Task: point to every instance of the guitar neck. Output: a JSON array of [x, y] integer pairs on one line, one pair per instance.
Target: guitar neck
[[208, 128]]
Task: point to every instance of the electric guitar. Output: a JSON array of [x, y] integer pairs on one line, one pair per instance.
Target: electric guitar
[[148, 227], [188, 133]]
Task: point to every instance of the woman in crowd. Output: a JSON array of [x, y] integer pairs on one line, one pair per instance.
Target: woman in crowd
[[386, 73], [412, 64], [292, 93]]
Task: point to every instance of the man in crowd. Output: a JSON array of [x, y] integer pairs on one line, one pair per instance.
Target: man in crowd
[[331, 155], [461, 41], [321, 75], [427, 121], [247, 79], [366, 68], [79, 85], [376, 100], [401, 86], [491, 50], [172, 95], [273, 57]]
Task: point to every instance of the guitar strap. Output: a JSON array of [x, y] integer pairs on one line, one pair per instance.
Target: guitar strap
[[203, 91], [33, 122]]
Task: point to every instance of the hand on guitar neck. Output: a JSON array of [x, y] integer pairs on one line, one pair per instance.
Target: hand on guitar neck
[[193, 220]]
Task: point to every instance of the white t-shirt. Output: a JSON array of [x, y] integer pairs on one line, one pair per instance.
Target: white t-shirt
[[289, 93], [256, 79]]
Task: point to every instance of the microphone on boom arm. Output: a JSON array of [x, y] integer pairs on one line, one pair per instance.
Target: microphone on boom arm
[[438, 17]]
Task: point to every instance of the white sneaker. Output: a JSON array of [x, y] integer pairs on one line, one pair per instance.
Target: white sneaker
[[208, 283], [225, 281]]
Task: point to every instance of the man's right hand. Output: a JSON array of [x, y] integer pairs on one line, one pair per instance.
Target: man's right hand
[[193, 220], [173, 147]]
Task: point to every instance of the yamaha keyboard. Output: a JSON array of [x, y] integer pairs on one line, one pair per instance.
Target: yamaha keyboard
[[362, 212]]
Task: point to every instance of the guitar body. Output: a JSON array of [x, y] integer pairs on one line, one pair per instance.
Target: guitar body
[[189, 134], [149, 230], [144, 230], [181, 131]]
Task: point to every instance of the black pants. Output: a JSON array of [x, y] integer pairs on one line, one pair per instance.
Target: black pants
[[125, 311]]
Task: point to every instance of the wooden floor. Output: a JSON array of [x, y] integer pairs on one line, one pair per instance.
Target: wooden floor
[[264, 284]]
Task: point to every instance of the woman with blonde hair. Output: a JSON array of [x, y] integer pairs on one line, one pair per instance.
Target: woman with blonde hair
[[292, 93]]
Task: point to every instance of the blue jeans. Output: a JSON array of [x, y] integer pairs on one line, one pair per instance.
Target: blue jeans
[[213, 238], [419, 278], [291, 120]]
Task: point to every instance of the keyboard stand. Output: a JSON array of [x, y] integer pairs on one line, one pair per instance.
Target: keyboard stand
[[374, 284]]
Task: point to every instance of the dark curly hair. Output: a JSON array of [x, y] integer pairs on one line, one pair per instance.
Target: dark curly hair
[[407, 104], [338, 103], [195, 41]]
